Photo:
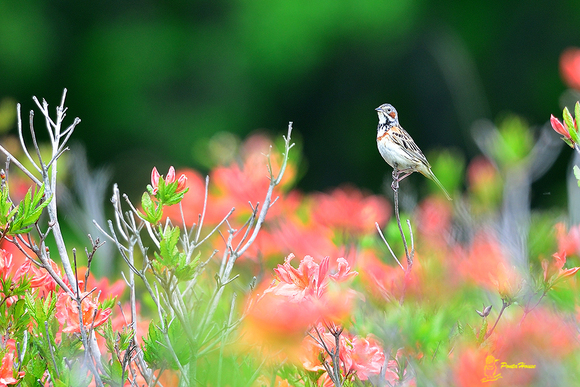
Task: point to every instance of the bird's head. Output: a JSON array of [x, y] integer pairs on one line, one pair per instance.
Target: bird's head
[[387, 114]]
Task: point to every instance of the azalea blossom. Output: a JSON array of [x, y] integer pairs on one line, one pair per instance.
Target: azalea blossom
[[170, 178], [568, 241], [7, 370], [559, 127], [7, 267], [350, 211], [310, 279], [363, 356], [67, 313], [570, 67], [554, 271], [486, 264]]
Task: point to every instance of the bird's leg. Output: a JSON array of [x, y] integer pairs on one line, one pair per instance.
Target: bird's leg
[[397, 177], [395, 183]]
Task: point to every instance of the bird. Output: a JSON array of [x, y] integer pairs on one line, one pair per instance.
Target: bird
[[399, 150]]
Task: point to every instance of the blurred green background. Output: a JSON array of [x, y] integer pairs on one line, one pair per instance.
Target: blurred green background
[[153, 81]]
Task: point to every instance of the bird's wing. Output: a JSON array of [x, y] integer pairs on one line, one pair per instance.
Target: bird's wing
[[405, 141]]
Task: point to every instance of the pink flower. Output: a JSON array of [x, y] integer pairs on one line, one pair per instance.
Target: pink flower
[[155, 179], [7, 267], [559, 127], [170, 178], [310, 279], [42, 280], [363, 356]]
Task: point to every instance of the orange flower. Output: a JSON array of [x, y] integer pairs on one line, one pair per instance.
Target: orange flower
[[350, 211], [381, 280], [7, 370], [553, 270], [568, 241], [240, 183], [570, 67], [67, 313], [42, 280], [297, 299], [486, 265]]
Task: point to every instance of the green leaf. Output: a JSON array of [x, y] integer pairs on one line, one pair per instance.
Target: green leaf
[[569, 122], [153, 211], [30, 304], [154, 352], [169, 255], [29, 210], [179, 342], [577, 174], [125, 337], [7, 209], [166, 193]]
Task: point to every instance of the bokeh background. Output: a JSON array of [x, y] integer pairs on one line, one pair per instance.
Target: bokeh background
[[158, 83]]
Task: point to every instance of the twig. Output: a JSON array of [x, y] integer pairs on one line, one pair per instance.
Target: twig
[[504, 305], [395, 187], [389, 246]]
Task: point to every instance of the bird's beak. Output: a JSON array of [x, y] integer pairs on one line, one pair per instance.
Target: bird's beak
[[378, 109]]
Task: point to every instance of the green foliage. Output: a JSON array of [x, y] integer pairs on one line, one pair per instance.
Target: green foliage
[[29, 210], [170, 258], [449, 167], [167, 193], [570, 123], [515, 141], [158, 355], [153, 209], [7, 210]]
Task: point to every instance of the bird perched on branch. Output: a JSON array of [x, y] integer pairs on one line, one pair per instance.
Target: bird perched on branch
[[399, 150]]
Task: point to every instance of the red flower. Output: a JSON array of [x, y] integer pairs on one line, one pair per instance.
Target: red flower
[[67, 313], [570, 67]]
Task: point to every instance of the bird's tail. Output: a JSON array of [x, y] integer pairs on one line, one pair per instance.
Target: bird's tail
[[432, 176]]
